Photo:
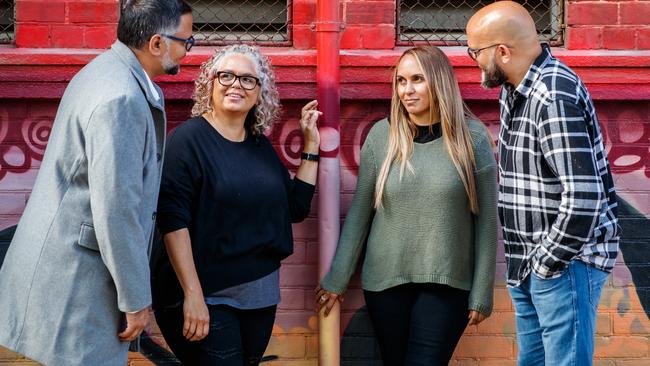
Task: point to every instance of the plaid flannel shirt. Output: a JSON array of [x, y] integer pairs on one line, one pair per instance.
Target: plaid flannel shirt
[[557, 200]]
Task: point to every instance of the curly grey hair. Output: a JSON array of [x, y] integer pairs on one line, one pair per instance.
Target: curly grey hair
[[267, 108]]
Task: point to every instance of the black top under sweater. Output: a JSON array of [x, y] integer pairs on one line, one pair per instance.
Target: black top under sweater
[[427, 133], [236, 199]]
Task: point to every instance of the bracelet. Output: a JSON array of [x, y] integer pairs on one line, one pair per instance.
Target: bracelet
[[309, 157]]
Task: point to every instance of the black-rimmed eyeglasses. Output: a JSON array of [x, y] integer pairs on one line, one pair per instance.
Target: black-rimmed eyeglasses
[[247, 82], [189, 42], [473, 52]]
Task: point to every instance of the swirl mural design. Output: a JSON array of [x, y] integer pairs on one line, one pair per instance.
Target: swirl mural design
[[625, 304], [22, 141]]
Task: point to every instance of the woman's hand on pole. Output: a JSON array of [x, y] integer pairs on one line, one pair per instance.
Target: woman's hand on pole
[[326, 299]]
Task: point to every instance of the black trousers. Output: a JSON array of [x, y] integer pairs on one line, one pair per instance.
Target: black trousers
[[236, 337], [418, 324]]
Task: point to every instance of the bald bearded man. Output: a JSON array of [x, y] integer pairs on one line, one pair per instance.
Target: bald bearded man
[[557, 202]]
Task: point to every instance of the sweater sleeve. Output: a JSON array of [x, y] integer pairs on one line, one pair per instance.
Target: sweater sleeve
[[299, 195], [485, 230], [177, 188], [356, 226]]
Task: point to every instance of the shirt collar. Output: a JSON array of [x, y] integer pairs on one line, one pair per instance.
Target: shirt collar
[[525, 87], [154, 92]]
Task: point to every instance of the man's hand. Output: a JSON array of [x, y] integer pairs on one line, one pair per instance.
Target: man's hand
[[135, 323]]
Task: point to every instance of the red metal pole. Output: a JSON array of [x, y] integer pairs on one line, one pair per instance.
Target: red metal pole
[[328, 27]]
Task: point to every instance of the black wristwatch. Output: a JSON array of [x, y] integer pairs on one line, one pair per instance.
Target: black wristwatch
[[309, 157]]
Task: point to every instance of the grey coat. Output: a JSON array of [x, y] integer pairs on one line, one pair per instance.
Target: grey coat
[[79, 258]]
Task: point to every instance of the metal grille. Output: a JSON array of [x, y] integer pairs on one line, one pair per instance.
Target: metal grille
[[7, 21], [218, 22], [442, 22]]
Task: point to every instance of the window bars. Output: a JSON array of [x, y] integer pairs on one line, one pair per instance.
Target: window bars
[[442, 22], [263, 22], [7, 21]]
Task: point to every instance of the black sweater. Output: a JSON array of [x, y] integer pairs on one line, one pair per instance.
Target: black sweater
[[236, 199]]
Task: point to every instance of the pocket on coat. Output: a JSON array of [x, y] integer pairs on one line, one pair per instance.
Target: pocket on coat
[[87, 238]]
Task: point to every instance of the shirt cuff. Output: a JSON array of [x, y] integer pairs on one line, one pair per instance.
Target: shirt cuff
[[545, 266], [135, 312]]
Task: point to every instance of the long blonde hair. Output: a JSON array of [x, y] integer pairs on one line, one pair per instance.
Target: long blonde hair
[[443, 90]]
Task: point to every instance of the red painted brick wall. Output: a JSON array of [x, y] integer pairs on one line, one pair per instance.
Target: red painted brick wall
[[369, 24], [49, 34], [612, 25], [66, 23]]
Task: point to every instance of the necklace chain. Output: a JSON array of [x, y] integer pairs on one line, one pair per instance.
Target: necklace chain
[[208, 117]]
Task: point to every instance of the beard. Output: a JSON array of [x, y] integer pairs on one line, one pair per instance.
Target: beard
[[170, 67], [493, 76]]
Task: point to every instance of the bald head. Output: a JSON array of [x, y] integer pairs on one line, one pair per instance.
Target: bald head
[[502, 39], [503, 22]]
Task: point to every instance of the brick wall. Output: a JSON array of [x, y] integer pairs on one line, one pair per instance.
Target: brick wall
[[612, 25], [369, 24], [66, 23], [34, 75], [623, 331], [623, 324]]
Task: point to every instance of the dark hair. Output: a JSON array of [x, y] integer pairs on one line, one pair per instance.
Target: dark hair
[[185, 8], [141, 19]]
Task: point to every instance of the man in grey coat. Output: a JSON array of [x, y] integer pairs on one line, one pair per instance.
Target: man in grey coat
[[74, 287]]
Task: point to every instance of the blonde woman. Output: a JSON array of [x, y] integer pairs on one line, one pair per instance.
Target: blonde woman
[[225, 209], [426, 205]]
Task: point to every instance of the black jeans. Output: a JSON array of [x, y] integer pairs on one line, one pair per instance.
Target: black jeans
[[236, 337], [418, 324]]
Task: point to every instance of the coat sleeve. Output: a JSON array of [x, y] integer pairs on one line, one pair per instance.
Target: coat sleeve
[[115, 141]]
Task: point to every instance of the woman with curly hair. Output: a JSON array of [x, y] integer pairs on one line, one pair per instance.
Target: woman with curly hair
[[425, 209], [225, 211]]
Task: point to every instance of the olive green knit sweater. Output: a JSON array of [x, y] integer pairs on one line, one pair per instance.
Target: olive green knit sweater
[[425, 231]]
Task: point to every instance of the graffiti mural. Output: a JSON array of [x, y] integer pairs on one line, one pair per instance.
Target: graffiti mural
[[623, 324], [23, 138]]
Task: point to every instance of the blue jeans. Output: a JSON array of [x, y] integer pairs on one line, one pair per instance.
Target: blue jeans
[[556, 318]]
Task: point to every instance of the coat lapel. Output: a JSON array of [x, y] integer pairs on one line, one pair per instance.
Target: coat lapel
[[128, 57], [157, 106]]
